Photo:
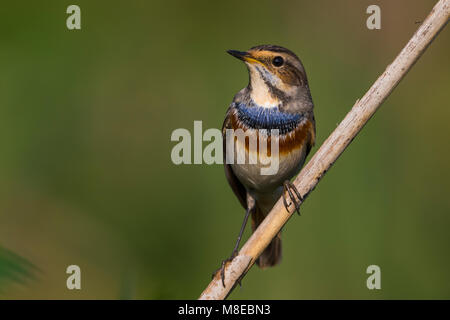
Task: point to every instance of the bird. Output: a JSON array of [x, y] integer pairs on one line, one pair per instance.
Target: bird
[[277, 97]]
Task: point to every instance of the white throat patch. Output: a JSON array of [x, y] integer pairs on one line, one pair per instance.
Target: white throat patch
[[260, 93]]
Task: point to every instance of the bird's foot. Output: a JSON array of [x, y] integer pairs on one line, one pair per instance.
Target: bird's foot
[[222, 267], [290, 189]]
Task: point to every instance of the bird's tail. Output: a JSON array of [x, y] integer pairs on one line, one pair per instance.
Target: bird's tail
[[271, 256]]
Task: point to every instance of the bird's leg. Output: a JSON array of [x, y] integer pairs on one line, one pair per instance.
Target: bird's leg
[[288, 188], [235, 249]]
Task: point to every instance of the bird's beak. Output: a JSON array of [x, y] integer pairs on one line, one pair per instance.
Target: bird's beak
[[242, 55]]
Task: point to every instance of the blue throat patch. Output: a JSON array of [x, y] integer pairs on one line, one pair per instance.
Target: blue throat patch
[[257, 117]]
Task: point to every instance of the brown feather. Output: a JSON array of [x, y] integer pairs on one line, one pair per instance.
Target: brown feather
[[237, 187], [271, 256]]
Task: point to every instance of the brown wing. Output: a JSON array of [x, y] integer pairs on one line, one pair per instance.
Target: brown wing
[[311, 136], [237, 187]]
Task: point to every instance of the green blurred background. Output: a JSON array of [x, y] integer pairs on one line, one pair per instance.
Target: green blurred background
[[86, 176]]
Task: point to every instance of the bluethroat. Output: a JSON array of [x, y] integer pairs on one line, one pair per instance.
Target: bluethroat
[[276, 97]]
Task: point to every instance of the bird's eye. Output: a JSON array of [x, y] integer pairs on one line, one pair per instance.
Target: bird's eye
[[278, 61]]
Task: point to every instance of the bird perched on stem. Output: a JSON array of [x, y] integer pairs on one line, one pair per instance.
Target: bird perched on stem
[[276, 97]]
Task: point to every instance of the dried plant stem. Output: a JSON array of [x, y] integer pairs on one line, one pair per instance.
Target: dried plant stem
[[331, 149]]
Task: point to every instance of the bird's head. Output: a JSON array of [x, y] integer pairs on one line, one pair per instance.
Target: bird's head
[[276, 74]]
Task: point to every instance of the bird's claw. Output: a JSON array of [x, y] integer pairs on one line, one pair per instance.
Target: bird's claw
[[288, 188], [222, 268]]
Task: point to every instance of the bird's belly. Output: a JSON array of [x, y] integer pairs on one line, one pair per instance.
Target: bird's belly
[[252, 177]]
